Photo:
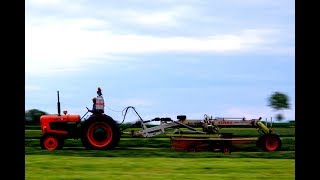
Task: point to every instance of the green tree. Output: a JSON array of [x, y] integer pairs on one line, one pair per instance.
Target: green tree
[[279, 101], [33, 116]]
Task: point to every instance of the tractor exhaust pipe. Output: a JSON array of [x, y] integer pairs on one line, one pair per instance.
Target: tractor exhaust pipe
[[59, 110]]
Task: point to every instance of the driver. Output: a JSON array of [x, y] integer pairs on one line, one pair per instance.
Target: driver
[[100, 101], [93, 110]]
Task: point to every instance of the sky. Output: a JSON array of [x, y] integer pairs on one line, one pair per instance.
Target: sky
[[165, 58]]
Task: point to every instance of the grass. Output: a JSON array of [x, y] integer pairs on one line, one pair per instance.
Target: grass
[[152, 158], [240, 132], [71, 167], [288, 144], [143, 152]]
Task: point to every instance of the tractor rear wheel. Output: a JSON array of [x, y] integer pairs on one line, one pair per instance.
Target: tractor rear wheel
[[51, 142], [100, 132]]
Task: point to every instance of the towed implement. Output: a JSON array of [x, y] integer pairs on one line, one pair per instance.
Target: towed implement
[[186, 137], [268, 140]]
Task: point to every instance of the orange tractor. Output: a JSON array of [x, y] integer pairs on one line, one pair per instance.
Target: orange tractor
[[99, 131]]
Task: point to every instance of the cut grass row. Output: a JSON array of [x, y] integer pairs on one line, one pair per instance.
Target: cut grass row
[[288, 143], [237, 132], [159, 147]]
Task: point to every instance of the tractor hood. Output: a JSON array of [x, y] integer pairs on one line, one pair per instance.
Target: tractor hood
[[56, 117]]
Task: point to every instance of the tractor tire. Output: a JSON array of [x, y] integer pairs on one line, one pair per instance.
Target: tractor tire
[[51, 142], [269, 142], [100, 132]]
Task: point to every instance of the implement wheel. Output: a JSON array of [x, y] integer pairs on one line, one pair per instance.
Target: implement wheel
[[192, 148], [227, 150], [100, 132], [269, 142]]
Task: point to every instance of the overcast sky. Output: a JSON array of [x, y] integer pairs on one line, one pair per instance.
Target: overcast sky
[[165, 58]]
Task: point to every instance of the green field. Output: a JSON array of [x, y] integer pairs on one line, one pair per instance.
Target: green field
[[71, 167], [241, 132], [152, 158]]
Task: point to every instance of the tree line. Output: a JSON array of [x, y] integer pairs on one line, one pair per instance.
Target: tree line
[[278, 101]]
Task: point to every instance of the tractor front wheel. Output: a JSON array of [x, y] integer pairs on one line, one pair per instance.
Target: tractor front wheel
[[51, 142]]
